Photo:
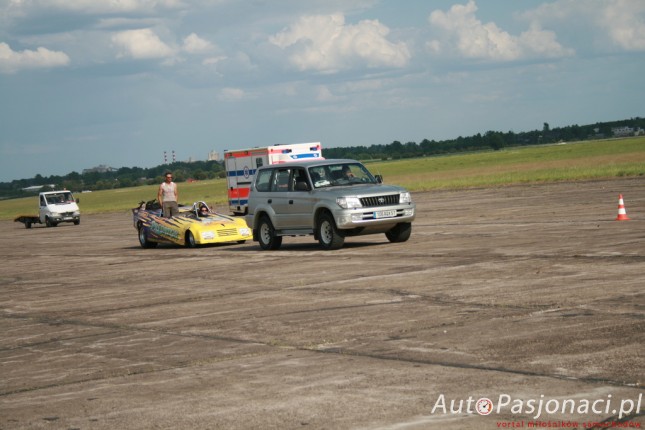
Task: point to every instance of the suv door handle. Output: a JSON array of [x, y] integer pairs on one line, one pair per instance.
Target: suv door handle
[[270, 201]]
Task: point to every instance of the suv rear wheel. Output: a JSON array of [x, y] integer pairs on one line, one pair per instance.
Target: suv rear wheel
[[328, 235], [266, 235]]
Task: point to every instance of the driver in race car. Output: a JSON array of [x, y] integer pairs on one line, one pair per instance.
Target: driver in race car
[[204, 211]]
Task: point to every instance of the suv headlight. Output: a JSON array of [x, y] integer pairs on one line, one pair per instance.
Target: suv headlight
[[405, 198], [349, 202]]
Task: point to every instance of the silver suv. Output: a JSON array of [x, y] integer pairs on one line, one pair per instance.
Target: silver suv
[[331, 199]]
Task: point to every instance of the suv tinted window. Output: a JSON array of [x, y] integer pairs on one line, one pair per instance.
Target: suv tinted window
[[300, 177], [281, 180], [263, 181]]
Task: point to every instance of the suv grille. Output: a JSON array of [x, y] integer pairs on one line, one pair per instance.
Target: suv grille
[[392, 199]]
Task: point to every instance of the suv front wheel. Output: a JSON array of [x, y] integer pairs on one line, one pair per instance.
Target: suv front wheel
[[266, 235], [328, 235], [400, 233]]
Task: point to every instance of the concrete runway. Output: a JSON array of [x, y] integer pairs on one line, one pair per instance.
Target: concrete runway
[[529, 296]]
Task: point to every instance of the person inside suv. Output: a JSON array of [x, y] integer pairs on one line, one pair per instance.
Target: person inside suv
[[347, 172]]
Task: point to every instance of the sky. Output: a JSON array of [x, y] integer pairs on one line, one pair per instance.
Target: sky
[[118, 83]]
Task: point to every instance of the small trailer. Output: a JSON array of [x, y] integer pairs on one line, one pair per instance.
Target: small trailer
[[28, 220], [54, 207]]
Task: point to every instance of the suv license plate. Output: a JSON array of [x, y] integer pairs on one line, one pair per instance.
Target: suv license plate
[[385, 214]]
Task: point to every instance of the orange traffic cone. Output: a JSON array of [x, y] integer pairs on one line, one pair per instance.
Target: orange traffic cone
[[622, 213]]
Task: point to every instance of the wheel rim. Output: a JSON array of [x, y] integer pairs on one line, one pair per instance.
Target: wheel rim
[[326, 233], [142, 236], [265, 233]]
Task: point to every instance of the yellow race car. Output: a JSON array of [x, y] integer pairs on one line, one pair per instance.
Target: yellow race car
[[195, 225]]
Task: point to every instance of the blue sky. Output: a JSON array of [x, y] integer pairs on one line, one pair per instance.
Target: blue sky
[[89, 82]]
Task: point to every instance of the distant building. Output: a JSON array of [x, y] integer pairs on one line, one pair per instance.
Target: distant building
[[37, 188], [102, 168], [623, 131], [213, 156]]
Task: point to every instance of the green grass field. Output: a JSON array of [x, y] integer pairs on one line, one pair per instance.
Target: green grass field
[[602, 159]]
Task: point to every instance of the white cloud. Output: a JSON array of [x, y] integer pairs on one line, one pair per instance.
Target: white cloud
[[12, 61], [619, 22], [624, 21], [142, 44], [214, 60], [326, 43], [464, 33], [193, 44], [542, 43], [96, 7], [324, 95]]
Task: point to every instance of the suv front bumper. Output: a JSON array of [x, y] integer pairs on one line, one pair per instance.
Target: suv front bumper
[[364, 217]]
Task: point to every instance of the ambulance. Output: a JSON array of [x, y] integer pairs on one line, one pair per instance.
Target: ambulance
[[241, 165]]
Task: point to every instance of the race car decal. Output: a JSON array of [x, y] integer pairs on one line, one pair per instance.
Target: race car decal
[[162, 230]]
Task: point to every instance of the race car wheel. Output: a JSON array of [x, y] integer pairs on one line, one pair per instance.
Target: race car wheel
[[328, 235], [266, 235], [190, 240], [400, 233], [143, 239]]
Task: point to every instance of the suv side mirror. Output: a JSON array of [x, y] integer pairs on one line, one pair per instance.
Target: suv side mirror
[[379, 178]]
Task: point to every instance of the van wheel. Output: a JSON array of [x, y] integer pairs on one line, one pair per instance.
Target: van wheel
[[328, 235], [143, 239], [77, 221], [400, 233], [190, 240], [27, 224], [50, 223], [266, 235]]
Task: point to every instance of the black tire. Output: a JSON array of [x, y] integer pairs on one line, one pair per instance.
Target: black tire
[[266, 235], [190, 240], [143, 239], [328, 235], [50, 223], [400, 233], [77, 221], [27, 224]]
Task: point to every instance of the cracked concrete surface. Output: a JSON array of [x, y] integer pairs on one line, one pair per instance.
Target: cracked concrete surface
[[525, 291]]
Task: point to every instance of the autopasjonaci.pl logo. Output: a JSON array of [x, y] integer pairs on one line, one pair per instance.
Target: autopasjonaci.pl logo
[[537, 407]]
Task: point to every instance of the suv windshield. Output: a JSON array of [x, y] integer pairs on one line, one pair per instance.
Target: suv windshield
[[331, 175]]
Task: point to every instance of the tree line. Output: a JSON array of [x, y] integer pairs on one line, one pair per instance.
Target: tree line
[[94, 180], [199, 170], [491, 140]]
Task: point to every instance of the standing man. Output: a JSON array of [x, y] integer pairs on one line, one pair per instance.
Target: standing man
[[168, 197]]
